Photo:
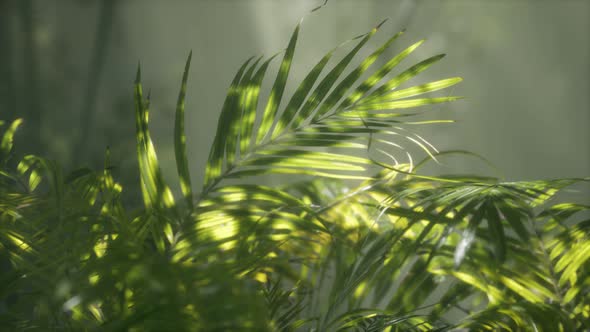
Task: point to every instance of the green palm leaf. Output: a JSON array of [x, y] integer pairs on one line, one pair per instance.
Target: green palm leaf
[[180, 140], [312, 119], [216, 154], [7, 140], [278, 88], [156, 193]]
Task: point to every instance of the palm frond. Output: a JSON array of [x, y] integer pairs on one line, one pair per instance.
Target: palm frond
[[290, 140], [156, 193], [514, 265]]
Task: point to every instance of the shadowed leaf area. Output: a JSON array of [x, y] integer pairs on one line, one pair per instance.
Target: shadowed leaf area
[[357, 239]]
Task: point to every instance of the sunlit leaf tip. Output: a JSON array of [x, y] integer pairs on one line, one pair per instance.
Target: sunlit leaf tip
[[319, 7], [8, 138], [381, 23], [138, 73], [276, 93]]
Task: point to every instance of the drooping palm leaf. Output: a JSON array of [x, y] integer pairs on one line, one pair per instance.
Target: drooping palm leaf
[[501, 205], [507, 261]]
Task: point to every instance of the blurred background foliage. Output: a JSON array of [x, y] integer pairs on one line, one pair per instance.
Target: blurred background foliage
[[67, 67]]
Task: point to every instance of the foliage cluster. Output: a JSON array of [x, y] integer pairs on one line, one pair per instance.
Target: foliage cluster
[[338, 251]]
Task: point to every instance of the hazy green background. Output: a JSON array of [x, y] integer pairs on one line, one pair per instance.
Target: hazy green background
[[526, 66]]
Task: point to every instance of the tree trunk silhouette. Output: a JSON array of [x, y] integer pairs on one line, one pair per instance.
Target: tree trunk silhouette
[[30, 96], [95, 69], [7, 79]]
